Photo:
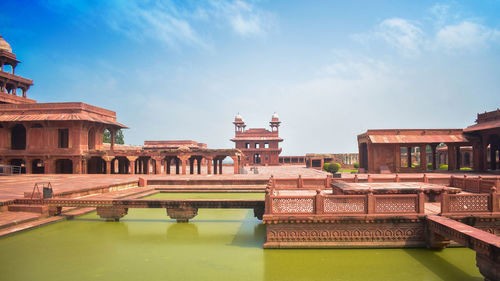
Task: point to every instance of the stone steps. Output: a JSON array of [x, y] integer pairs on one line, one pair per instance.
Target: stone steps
[[39, 209]]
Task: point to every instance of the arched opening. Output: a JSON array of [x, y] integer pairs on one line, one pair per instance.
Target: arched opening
[[120, 165], [37, 166], [18, 166], [8, 68], [256, 158], [91, 139], [142, 165], [195, 164], [18, 137], [64, 166], [172, 160], [96, 165], [106, 136], [218, 162]]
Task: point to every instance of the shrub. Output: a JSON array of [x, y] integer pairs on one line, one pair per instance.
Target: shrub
[[326, 166], [443, 167], [429, 166], [356, 165], [333, 168]]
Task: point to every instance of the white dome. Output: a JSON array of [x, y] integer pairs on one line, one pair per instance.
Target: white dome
[[238, 117], [275, 116], [4, 45]]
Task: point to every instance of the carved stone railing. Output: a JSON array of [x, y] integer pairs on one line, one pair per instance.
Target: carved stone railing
[[327, 204], [470, 204], [475, 184], [299, 183], [435, 179]]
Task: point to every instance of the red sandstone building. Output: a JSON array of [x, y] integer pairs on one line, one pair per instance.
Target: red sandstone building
[[68, 137], [406, 150], [260, 146]]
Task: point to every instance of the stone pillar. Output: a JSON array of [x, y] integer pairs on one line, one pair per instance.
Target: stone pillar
[[423, 157], [236, 165], [397, 160], [49, 165], [408, 155], [108, 164], [147, 166], [183, 159], [477, 156], [27, 166], [452, 157], [209, 165], [84, 165], [433, 150], [112, 137], [131, 166], [77, 166], [157, 165]]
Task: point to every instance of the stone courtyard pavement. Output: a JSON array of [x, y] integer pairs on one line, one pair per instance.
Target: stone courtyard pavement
[[12, 187]]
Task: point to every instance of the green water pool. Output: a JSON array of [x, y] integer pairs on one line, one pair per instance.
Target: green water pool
[[216, 245]]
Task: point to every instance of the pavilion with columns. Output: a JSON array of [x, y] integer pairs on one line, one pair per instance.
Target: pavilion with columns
[[66, 138]]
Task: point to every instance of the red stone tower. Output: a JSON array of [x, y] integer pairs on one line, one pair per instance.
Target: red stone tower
[[13, 88], [260, 146]]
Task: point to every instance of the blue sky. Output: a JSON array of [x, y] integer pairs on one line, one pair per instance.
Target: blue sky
[[332, 70]]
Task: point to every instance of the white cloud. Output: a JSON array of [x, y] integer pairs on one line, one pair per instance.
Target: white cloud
[[403, 35], [170, 22], [409, 38], [243, 17], [465, 36]]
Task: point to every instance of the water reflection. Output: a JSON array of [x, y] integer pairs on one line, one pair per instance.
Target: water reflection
[[182, 232]]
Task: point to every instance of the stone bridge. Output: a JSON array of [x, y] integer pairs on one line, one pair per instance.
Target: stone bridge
[[487, 246], [180, 210]]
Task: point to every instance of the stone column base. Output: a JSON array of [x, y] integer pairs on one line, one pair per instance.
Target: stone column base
[[111, 213], [54, 211], [488, 267], [258, 212], [182, 214]]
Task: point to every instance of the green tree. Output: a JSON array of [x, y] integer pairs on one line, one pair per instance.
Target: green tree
[[119, 138], [333, 168]]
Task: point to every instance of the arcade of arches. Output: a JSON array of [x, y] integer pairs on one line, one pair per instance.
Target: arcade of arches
[[411, 150]]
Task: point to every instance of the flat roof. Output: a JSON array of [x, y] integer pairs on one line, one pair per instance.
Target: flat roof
[[64, 111], [395, 136]]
